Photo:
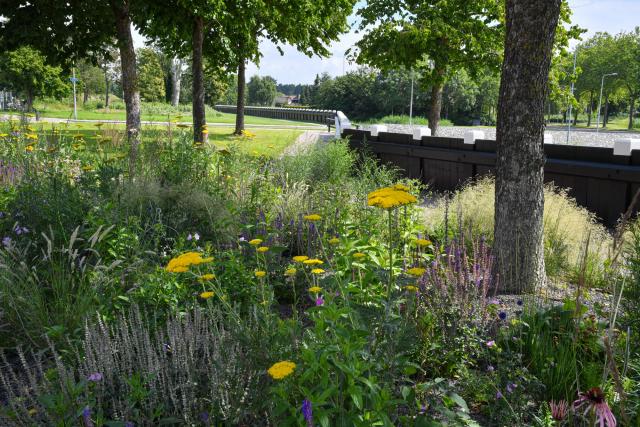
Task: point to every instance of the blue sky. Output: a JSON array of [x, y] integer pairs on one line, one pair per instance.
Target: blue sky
[[612, 16]]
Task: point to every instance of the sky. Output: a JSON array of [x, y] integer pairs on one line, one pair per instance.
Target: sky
[[612, 16]]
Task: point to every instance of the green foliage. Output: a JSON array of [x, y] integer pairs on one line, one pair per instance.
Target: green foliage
[[150, 76], [27, 72], [261, 91]]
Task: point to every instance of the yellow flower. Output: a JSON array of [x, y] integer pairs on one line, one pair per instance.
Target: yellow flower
[[206, 277], [262, 249], [390, 197], [205, 131], [281, 370], [4, 135], [312, 217], [416, 271], [359, 255], [181, 263], [260, 273], [315, 289], [206, 295], [87, 168], [317, 271], [290, 272], [313, 261], [300, 258], [411, 288], [334, 241], [29, 148], [423, 242], [31, 136], [255, 242]]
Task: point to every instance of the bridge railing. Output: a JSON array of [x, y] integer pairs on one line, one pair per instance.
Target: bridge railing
[[307, 115]]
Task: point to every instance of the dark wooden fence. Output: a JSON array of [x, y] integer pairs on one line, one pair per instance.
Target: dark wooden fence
[[307, 115], [599, 180]]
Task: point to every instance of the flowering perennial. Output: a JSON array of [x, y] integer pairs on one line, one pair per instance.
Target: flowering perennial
[[281, 370], [312, 217], [391, 197], [181, 263]]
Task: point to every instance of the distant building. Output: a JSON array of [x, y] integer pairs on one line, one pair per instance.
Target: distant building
[[287, 100]]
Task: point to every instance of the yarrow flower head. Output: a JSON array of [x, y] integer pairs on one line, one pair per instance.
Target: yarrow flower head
[[391, 197], [313, 261], [181, 263], [312, 217], [317, 271], [416, 271], [207, 277], [255, 242], [260, 273], [315, 289], [423, 242], [300, 258], [411, 288], [593, 400], [206, 295], [334, 241], [359, 255], [290, 272], [281, 370], [262, 249]]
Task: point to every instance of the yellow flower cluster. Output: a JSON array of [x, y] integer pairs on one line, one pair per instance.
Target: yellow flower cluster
[[300, 258], [334, 241], [317, 271], [313, 261], [391, 197], [359, 255], [423, 242], [255, 242], [416, 271], [206, 277], [312, 217], [262, 249], [290, 272], [206, 295], [411, 288], [315, 289], [260, 273], [181, 263], [281, 370]]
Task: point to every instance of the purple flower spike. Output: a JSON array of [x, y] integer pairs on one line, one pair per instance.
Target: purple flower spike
[[307, 412], [6, 241], [95, 377], [86, 417], [511, 387], [499, 395]]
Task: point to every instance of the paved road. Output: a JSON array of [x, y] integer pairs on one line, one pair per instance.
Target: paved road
[[587, 137], [303, 126]]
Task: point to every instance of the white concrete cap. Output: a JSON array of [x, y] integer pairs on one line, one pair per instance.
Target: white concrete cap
[[548, 138], [418, 133], [375, 129], [470, 136], [624, 146]]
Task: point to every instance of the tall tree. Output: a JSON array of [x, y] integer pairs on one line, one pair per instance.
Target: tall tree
[[262, 90], [176, 80], [25, 70], [519, 198], [627, 55], [150, 75], [73, 29], [435, 37]]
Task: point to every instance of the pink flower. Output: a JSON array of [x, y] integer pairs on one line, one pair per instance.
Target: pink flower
[[491, 343], [559, 409], [594, 400], [319, 301]]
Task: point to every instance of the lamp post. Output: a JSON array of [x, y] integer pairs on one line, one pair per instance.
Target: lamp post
[[575, 59], [600, 100], [411, 102]]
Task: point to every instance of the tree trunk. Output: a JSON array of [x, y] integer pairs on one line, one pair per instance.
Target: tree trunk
[[631, 107], [176, 79], [85, 95], [436, 106], [106, 91], [240, 100], [199, 119], [605, 116], [519, 197], [590, 109], [129, 78]]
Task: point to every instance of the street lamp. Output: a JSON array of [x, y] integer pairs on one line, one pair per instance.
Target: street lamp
[[600, 100]]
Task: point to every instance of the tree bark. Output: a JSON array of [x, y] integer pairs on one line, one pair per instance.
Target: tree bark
[[631, 107], [436, 105], [199, 119], [176, 79], [129, 78], [519, 196], [240, 98], [590, 109], [85, 95], [605, 116]]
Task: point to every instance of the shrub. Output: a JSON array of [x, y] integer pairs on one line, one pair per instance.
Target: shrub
[[567, 227]]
